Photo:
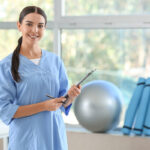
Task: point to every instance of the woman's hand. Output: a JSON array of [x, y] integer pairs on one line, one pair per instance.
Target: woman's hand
[[73, 92], [54, 104]]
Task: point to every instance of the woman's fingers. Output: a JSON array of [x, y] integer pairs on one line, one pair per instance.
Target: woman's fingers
[[60, 100], [79, 86], [74, 91], [77, 90], [54, 104]]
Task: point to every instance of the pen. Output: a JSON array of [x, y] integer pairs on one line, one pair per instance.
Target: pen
[[53, 98]]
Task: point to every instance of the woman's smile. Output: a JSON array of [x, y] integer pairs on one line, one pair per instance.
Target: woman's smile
[[33, 37]]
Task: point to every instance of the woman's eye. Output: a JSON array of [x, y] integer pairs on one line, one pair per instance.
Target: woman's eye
[[40, 26], [29, 24]]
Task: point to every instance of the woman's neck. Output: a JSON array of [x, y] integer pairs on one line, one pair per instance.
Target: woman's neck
[[31, 52]]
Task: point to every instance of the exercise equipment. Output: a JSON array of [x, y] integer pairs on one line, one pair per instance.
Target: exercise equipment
[[99, 105]]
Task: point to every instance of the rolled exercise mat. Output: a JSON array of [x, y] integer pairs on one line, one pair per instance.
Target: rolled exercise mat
[[142, 110], [132, 107], [146, 126]]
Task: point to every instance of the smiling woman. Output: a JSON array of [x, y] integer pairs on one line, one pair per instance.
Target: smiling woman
[[32, 28], [27, 45], [27, 76]]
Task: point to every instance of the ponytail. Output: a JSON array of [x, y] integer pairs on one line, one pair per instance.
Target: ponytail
[[15, 61]]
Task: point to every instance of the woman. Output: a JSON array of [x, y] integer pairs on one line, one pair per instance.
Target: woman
[[26, 77]]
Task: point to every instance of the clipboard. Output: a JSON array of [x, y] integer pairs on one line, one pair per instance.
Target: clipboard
[[84, 78]]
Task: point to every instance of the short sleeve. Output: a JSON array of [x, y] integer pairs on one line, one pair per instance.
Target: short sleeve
[[63, 80], [7, 95]]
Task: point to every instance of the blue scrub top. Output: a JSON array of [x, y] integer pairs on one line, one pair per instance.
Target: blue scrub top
[[44, 130]]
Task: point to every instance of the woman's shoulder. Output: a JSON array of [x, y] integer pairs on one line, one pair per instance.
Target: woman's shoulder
[[5, 67], [52, 55], [49, 53], [6, 61]]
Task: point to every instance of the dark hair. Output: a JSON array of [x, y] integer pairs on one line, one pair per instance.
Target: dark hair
[[15, 56]]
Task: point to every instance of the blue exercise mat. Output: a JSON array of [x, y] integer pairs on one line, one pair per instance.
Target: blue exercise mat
[[142, 110], [133, 105], [146, 126]]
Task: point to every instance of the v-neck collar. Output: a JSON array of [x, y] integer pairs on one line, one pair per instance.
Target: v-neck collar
[[24, 57]]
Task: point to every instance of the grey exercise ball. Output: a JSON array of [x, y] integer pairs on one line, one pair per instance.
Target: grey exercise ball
[[99, 105]]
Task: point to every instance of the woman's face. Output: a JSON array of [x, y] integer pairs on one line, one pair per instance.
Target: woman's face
[[32, 28]]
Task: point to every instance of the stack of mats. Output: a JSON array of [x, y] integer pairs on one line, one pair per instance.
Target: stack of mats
[[137, 118]]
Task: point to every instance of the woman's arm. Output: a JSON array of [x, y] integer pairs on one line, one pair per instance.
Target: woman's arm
[[48, 105]]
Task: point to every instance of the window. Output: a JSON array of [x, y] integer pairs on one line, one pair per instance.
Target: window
[[113, 35], [120, 56], [8, 13], [107, 7]]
